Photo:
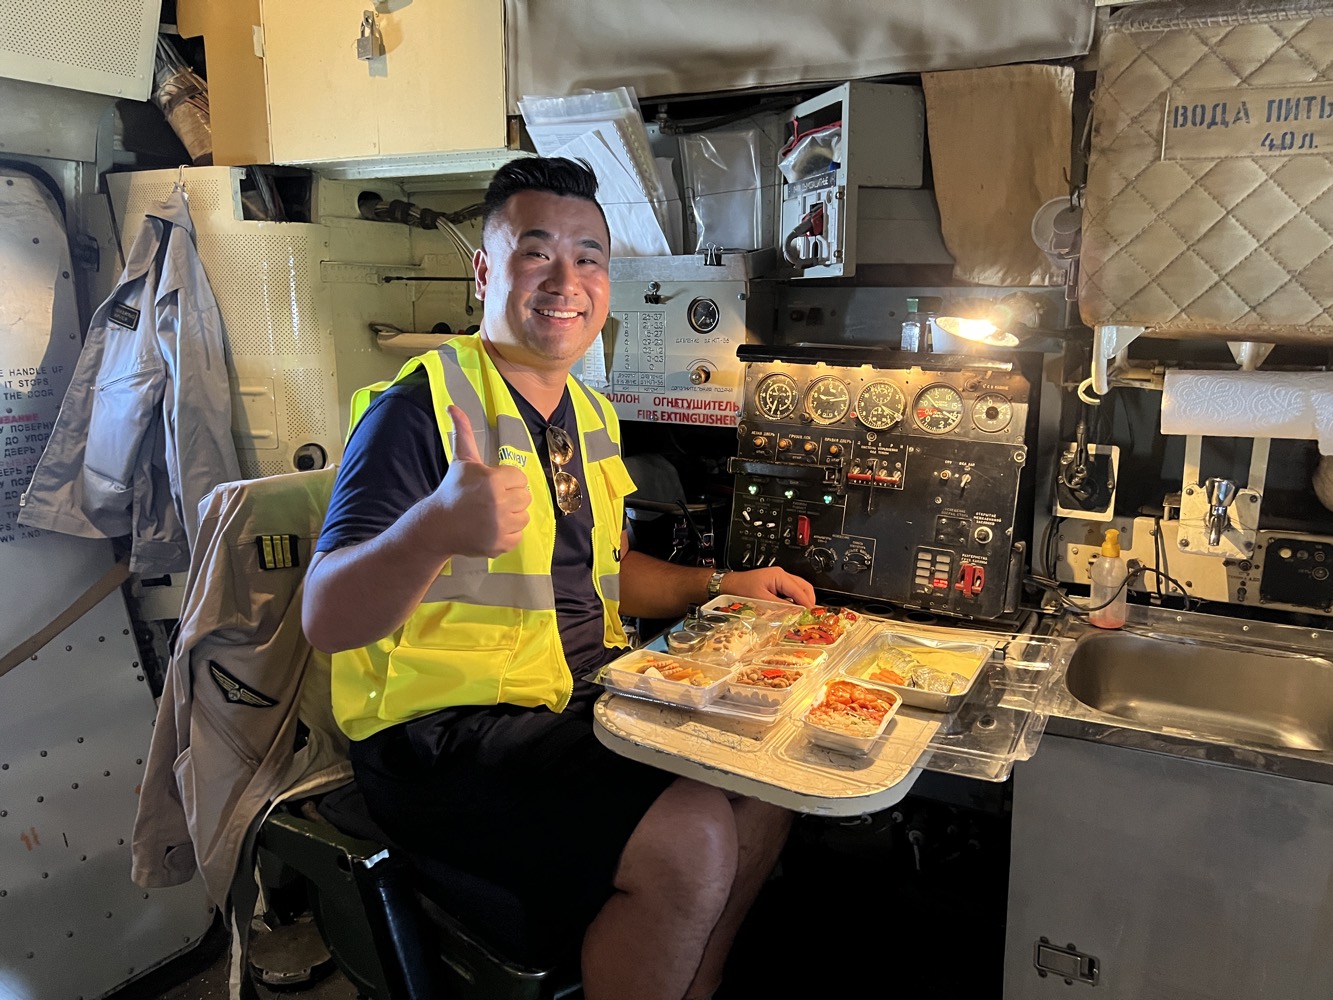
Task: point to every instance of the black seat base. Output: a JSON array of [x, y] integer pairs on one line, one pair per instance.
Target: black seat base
[[384, 925]]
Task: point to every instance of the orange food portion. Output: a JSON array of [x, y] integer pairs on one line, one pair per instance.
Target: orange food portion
[[682, 673], [860, 700], [886, 676], [852, 709]]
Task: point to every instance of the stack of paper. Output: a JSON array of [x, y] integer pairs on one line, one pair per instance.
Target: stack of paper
[[605, 131]]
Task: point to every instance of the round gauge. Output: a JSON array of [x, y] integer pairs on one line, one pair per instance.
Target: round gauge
[[992, 412], [827, 400], [777, 397], [880, 405], [938, 409], [703, 315]]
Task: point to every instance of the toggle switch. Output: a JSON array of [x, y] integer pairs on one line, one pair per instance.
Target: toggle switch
[[802, 530], [971, 580]]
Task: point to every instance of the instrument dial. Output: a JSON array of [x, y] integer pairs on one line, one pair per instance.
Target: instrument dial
[[827, 400], [776, 397], [703, 315], [880, 405], [938, 409], [992, 412]]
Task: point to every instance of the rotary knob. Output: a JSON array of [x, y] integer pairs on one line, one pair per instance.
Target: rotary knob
[[821, 558]]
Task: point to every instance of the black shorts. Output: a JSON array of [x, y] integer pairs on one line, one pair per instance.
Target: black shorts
[[526, 798]]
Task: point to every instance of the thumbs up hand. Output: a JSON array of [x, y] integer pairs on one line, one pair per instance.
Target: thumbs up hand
[[487, 505]]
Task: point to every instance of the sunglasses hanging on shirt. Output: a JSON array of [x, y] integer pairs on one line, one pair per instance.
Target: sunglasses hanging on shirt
[[568, 492]]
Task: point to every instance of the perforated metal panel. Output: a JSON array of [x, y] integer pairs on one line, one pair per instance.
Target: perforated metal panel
[[265, 276], [74, 733], [104, 47], [304, 388], [265, 286], [75, 720]]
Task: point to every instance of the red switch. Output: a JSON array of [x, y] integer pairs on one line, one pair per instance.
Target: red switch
[[802, 530], [971, 580]]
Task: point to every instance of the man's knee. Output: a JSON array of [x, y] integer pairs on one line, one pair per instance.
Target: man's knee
[[685, 848]]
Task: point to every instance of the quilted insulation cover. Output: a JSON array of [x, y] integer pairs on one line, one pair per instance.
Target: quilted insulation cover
[[1209, 206]]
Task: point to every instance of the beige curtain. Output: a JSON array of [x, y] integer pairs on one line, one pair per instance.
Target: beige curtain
[[1000, 148], [662, 47]]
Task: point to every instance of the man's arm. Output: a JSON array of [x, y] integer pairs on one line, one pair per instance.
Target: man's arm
[[651, 588], [358, 594]]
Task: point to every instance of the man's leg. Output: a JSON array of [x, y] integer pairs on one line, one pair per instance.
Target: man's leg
[[672, 885], [761, 832]]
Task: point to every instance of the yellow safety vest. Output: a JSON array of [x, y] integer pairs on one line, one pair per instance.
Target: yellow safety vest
[[486, 631]]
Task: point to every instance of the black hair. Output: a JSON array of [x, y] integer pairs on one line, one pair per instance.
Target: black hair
[[552, 174]]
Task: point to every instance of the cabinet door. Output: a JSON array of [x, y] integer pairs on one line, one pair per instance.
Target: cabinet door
[[439, 87]]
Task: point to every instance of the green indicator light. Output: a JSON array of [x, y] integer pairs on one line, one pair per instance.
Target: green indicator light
[[789, 493], [828, 497], [754, 488]]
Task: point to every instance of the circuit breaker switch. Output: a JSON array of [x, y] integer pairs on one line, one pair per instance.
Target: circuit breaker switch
[[971, 580], [802, 530]]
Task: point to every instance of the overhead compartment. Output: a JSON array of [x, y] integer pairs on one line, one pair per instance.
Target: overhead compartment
[[405, 89], [700, 46]]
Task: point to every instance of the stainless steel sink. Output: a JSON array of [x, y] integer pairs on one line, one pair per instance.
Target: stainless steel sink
[[1220, 687]]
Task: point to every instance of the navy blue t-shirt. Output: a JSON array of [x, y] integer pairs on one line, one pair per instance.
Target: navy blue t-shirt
[[395, 458]]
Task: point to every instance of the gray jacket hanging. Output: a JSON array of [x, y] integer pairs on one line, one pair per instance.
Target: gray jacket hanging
[[144, 432]]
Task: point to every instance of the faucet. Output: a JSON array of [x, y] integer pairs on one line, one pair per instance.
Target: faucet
[[1221, 494]]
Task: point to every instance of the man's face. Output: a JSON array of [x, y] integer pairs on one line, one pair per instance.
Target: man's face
[[543, 274]]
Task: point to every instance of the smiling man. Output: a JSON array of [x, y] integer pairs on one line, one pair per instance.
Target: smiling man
[[471, 572]]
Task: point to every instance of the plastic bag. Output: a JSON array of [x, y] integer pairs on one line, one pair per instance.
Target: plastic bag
[[813, 153], [724, 188]]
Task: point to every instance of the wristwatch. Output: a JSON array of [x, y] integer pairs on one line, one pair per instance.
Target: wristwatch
[[715, 585]]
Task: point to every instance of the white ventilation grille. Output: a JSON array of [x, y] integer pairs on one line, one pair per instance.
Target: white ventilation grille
[[104, 47], [265, 288], [304, 388], [254, 467], [204, 196]]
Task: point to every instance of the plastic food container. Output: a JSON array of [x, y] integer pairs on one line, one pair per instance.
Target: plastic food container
[[828, 628], [674, 679], [724, 643], [807, 658], [749, 608], [844, 718], [892, 653], [763, 687]]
